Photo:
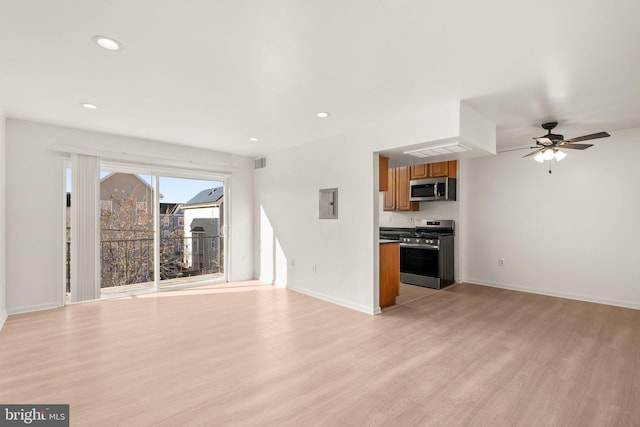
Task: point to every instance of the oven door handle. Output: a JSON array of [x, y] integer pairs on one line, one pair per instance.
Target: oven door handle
[[419, 246]]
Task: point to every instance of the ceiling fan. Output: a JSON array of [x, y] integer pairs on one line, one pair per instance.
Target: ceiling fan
[[548, 146]]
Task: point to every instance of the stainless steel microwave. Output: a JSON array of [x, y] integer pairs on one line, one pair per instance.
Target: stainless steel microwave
[[432, 189]]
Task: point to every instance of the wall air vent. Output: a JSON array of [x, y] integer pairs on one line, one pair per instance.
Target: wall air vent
[[454, 147], [261, 163]]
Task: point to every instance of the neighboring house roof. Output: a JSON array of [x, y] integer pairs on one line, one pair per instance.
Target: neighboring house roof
[[209, 195], [170, 209]]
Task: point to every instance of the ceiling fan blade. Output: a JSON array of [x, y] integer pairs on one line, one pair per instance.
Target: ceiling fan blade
[[533, 153], [588, 137], [576, 146], [506, 150]]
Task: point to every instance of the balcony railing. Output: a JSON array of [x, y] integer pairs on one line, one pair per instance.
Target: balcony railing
[[129, 261]]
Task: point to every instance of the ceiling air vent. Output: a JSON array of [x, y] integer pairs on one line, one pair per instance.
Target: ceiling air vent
[[454, 147], [261, 163]]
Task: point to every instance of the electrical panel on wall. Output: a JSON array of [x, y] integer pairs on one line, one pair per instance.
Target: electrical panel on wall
[[328, 203]]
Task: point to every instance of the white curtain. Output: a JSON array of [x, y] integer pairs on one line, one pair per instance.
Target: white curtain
[[85, 228]]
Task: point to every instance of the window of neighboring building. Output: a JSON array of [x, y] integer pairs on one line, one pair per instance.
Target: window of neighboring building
[[106, 207]]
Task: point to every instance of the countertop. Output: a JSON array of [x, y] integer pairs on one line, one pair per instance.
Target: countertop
[[385, 241]]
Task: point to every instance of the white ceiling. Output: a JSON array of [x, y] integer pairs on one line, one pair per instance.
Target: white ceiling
[[214, 73]]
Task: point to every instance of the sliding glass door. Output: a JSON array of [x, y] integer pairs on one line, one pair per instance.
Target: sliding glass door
[[191, 230], [150, 231], [126, 232]]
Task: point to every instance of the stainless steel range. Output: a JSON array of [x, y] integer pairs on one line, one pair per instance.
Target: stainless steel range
[[426, 255]]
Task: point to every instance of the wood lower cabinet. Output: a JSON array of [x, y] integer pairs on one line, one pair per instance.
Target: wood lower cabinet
[[389, 273], [397, 197]]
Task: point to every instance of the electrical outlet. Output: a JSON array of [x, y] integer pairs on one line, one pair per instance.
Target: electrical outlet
[[409, 220], [293, 262], [501, 262], [314, 268]]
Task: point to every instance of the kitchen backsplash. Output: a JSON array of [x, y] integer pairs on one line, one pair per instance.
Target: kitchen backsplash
[[428, 210]]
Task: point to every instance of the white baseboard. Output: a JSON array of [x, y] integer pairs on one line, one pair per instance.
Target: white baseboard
[[30, 308], [271, 281], [337, 301], [3, 318], [586, 298]]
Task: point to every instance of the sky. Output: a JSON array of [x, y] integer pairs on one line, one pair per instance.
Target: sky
[[180, 190], [173, 190]]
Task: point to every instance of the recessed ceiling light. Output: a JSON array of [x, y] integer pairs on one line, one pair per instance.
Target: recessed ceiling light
[[253, 139], [107, 43], [89, 106], [322, 114]]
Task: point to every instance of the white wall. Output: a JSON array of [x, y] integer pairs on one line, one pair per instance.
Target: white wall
[[476, 130], [3, 305], [35, 200], [341, 249], [572, 233], [344, 250]]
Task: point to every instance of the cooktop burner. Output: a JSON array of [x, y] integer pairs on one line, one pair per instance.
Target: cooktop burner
[[425, 229], [430, 235]]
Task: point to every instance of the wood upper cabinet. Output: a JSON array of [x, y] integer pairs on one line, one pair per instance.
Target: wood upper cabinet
[[419, 171], [453, 169], [403, 192], [383, 176], [435, 170], [397, 197], [390, 194]]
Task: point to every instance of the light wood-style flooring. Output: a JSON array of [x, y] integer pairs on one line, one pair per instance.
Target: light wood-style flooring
[[411, 293], [252, 354]]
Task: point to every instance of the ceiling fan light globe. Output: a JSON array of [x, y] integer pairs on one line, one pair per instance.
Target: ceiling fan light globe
[[559, 155], [547, 154], [539, 157]]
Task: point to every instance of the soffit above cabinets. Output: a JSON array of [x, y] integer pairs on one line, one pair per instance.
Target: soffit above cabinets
[[473, 136]]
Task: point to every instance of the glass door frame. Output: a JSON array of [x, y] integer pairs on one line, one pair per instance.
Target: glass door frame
[[206, 176], [155, 172], [114, 167]]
